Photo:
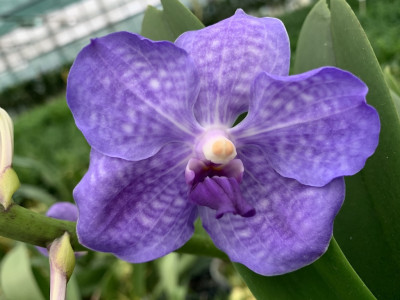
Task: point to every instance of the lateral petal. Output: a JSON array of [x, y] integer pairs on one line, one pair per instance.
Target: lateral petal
[[312, 127]]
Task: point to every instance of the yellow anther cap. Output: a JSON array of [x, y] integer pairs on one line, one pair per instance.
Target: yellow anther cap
[[219, 150]]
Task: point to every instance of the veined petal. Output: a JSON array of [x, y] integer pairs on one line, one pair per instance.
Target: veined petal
[[228, 56], [130, 96], [312, 127], [292, 226], [136, 210]]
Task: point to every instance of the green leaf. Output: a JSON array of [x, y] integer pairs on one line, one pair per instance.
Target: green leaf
[[391, 81], [155, 27], [330, 277], [368, 227], [17, 280], [314, 48], [170, 23], [396, 100]]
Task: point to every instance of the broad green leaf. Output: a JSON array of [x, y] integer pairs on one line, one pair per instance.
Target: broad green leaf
[[391, 81], [330, 277], [17, 280], [314, 48], [396, 100], [368, 227], [155, 27], [169, 23]]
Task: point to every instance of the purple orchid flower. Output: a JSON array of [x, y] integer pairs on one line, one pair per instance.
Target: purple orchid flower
[[159, 118]]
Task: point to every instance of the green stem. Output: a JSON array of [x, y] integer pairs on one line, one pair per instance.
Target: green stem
[[202, 245], [23, 225]]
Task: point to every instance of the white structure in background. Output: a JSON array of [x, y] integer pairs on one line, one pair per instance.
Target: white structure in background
[[288, 6], [27, 51]]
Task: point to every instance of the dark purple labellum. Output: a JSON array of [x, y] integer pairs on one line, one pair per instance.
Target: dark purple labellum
[[222, 194]]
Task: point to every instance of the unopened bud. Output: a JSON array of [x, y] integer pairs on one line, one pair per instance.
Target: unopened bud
[[62, 264], [62, 255], [9, 181]]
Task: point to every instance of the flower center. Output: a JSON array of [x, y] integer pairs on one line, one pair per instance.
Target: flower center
[[214, 175], [219, 150]]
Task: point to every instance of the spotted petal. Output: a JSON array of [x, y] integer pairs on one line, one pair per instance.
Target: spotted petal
[[312, 127], [130, 96], [228, 56], [292, 226], [136, 210]]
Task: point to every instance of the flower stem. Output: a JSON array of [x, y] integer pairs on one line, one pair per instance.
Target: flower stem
[[58, 285], [23, 225]]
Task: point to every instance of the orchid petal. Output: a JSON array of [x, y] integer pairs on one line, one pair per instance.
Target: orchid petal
[[130, 96], [292, 226], [136, 210], [63, 211], [312, 127], [228, 56]]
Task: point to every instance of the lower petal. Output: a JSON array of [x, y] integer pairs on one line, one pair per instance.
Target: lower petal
[[293, 222], [135, 210]]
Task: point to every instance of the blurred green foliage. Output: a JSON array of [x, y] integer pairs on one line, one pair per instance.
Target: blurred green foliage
[[50, 151], [381, 21], [36, 91], [217, 10]]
